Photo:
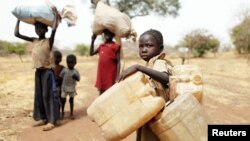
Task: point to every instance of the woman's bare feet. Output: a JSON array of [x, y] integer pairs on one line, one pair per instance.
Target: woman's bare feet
[[48, 127]]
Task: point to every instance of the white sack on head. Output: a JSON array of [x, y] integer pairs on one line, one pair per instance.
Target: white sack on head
[[107, 17], [34, 11]]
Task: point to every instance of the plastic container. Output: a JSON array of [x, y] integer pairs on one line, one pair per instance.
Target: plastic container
[[182, 120], [188, 79], [125, 107]]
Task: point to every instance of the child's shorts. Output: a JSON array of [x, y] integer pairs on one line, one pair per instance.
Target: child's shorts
[[71, 94]]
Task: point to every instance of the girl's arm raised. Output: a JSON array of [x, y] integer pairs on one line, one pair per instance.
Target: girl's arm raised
[[54, 28], [17, 34], [92, 51], [118, 57]]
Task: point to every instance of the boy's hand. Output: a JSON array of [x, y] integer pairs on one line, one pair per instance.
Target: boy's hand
[[74, 77], [128, 72]]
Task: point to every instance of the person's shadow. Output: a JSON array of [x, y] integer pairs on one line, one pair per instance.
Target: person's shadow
[[78, 114]]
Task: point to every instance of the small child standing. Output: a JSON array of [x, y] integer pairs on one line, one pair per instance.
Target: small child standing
[[150, 50], [69, 75], [57, 69], [108, 63]]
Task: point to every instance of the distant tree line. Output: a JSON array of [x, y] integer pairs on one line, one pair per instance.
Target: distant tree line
[[13, 48], [7, 48], [199, 41]]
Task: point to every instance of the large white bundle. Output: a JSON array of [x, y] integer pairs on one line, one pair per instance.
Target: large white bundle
[[34, 11], [66, 9], [107, 17]]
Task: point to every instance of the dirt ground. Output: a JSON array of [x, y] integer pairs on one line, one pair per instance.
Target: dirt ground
[[226, 98]]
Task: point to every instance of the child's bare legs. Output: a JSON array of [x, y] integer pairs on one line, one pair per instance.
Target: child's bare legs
[[59, 98], [63, 105], [71, 102]]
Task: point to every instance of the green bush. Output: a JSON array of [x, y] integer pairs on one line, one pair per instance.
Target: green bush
[[12, 48], [200, 42], [82, 49], [241, 36]]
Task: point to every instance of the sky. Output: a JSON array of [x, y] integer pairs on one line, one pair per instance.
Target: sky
[[216, 16]]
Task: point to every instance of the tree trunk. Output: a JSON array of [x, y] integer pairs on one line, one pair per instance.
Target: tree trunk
[[20, 57]]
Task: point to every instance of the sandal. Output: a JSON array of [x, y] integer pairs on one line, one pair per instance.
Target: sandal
[[48, 127]]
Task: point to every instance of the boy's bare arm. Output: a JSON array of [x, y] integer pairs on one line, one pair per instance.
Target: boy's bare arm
[[156, 75], [17, 34], [161, 77]]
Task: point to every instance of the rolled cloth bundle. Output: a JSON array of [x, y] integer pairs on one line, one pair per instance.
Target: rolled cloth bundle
[[107, 17], [66, 9]]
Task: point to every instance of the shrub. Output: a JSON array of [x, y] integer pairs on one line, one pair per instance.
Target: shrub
[[199, 42], [82, 49]]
